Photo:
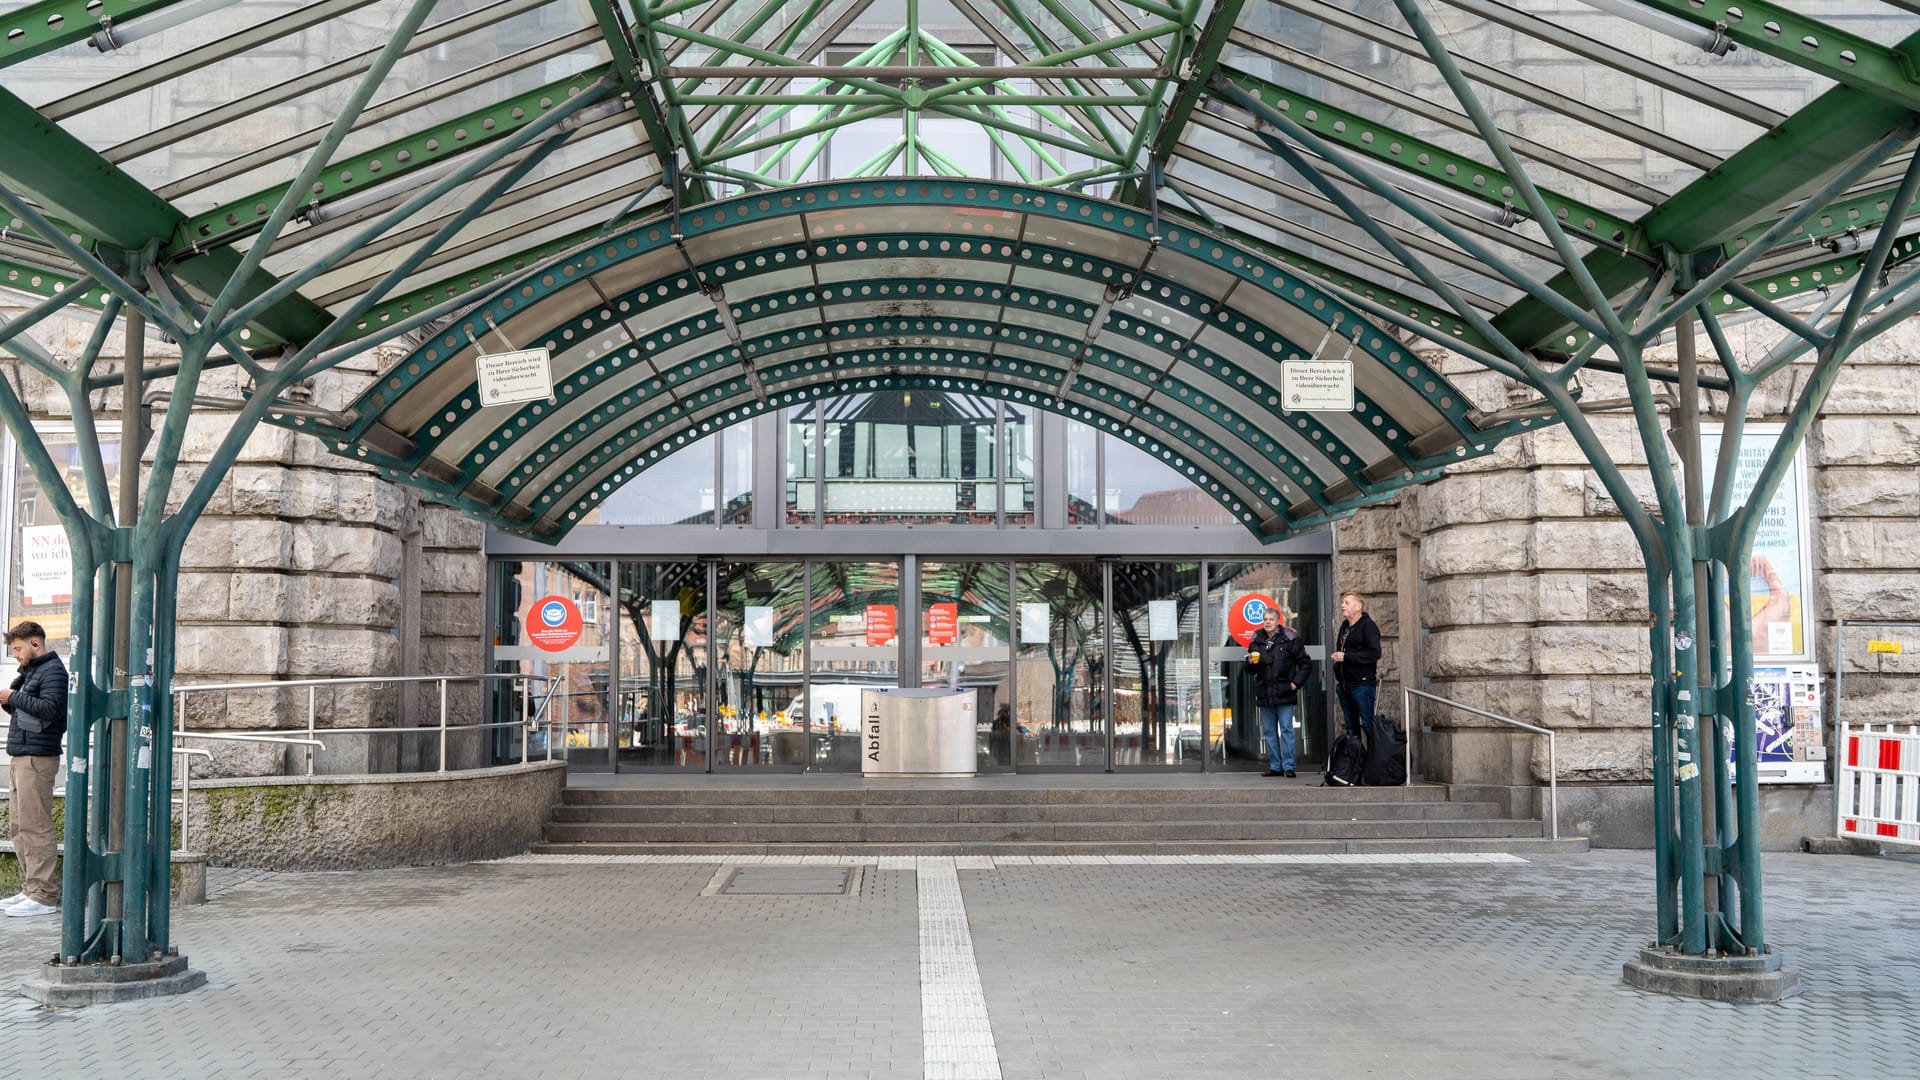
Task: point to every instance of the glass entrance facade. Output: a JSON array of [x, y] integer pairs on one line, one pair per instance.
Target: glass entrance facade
[[727, 664], [1082, 588]]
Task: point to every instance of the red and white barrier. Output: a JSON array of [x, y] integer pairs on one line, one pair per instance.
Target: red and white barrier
[[1878, 783]]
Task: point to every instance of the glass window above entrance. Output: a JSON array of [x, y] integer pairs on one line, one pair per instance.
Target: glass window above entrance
[[908, 456]]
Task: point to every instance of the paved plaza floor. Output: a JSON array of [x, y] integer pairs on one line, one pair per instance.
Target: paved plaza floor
[[1249, 966]]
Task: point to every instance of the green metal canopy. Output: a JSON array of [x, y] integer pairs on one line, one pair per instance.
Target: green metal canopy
[[1132, 212], [1127, 211]]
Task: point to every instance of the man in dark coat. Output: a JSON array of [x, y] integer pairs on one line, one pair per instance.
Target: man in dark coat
[[1279, 666], [1356, 657], [37, 707]]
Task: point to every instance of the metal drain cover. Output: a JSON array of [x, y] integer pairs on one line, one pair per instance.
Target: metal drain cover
[[789, 881]]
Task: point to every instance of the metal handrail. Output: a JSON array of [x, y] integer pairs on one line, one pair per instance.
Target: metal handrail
[[1407, 694], [530, 717]]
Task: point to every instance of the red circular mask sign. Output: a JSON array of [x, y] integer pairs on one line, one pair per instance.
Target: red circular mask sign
[[554, 623], [1246, 613]]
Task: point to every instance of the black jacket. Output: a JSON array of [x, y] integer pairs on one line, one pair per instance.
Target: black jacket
[[1361, 643], [1284, 665], [38, 707]]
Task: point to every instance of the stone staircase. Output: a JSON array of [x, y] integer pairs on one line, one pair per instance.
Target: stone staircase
[[1132, 819]]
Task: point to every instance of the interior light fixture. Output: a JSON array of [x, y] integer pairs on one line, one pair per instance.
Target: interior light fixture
[[110, 36], [1707, 39]]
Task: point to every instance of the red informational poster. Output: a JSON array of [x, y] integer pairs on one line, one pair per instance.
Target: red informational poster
[[943, 623], [880, 624], [554, 623], [1245, 614]]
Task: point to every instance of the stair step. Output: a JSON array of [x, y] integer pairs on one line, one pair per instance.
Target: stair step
[[961, 813], [1303, 790], [1066, 832], [1514, 845]]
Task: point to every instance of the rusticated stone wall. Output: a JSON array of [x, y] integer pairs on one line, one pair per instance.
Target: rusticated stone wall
[[307, 565], [1532, 592]]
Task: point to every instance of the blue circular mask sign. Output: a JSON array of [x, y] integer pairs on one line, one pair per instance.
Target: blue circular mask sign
[[554, 624], [1247, 613]]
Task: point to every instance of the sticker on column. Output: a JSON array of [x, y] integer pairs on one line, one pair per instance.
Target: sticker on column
[[1689, 771], [146, 756], [78, 766], [1683, 641]]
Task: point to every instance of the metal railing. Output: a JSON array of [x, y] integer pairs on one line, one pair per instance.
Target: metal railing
[[1407, 694], [531, 717]]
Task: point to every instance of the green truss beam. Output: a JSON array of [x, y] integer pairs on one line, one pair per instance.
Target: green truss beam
[[1739, 199], [1889, 73], [1193, 75], [631, 69], [107, 206], [42, 281], [75, 184], [392, 160], [1441, 166]]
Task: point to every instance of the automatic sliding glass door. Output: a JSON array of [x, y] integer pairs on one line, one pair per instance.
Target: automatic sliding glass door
[[965, 621], [853, 623]]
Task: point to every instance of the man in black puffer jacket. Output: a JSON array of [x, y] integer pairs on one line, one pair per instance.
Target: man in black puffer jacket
[[1356, 661], [37, 706], [1279, 666]]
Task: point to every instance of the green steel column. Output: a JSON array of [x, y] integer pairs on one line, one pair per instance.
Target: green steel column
[[1665, 843], [160, 909], [1717, 811]]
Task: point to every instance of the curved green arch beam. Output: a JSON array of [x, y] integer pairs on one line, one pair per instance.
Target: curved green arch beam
[[684, 319]]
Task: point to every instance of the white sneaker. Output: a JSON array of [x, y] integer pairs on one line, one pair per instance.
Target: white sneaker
[[12, 900], [30, 907]]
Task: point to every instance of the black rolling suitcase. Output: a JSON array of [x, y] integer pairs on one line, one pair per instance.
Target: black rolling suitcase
[[1386, 764]]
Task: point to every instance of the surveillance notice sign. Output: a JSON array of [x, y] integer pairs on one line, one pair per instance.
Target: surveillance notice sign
[[554, 624], [512, 377], [1316, 386]]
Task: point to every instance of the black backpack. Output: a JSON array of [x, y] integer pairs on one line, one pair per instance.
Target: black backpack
[[1345, 762], [1386, 755]]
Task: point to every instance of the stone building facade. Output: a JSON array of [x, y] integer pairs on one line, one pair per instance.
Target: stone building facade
[[306, 565], [1514, 585]]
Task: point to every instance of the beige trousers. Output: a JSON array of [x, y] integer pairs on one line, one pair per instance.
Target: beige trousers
[[30, 824]]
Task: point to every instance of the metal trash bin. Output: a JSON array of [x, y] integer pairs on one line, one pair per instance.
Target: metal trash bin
[[918, 732]]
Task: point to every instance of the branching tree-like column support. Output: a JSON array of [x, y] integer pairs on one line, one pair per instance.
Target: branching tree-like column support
[[120, 716], [1709, 904]]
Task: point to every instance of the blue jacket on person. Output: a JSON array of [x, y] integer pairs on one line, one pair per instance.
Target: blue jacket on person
[[38, 707]]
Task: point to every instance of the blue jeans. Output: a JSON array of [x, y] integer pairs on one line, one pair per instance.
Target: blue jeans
[[1356, 704], [1276, 727]]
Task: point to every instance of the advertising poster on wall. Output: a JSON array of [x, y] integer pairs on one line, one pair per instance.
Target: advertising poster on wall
[[46, 565], [1788, 725], [1779, 571]]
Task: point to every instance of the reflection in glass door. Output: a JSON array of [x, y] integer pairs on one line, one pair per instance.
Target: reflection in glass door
[[1156, 664], [1060, 719], [852, 635], [556, 622], [663, 612], [965, 626], [760, 716], [1234, 728]]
